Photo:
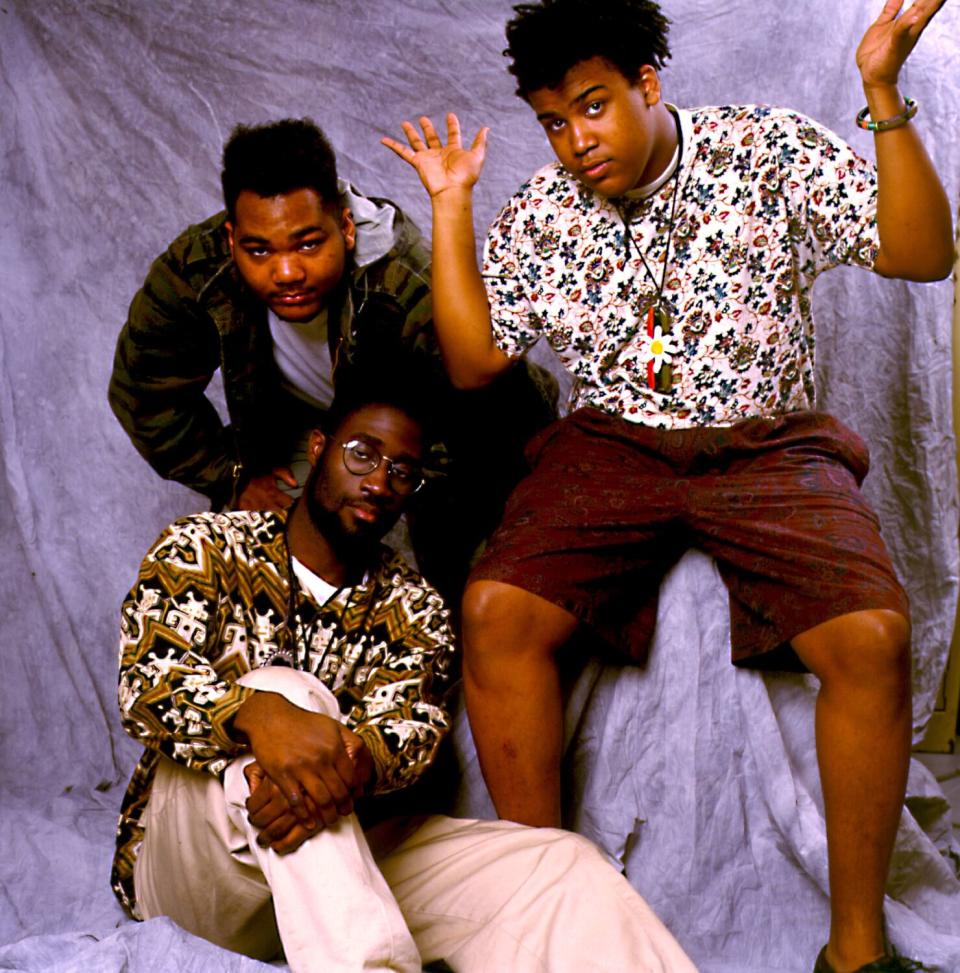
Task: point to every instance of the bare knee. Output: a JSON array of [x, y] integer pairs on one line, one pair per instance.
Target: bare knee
[[504, 619], [865, 647]]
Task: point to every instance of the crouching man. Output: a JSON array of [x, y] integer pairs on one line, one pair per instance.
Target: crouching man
[[279, 668]]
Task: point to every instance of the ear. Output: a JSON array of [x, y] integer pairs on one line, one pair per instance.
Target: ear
[[348, 228], [315, 446], [648, 81], [228, 226]]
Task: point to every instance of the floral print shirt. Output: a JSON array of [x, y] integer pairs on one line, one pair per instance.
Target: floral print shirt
[[767, 200], [213, 601]]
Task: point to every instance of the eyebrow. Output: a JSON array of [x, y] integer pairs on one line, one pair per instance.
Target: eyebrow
[[296, 235], [372, 440], [583, 96]]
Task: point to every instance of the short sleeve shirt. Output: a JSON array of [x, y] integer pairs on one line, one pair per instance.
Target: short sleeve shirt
[[768, 199]]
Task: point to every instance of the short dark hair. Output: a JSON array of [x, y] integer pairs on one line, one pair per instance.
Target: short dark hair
[[546, 39], [278, 158]]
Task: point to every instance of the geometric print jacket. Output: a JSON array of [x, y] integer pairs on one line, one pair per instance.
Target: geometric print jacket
[[213, 601]]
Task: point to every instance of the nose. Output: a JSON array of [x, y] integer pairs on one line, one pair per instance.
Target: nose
[[287, 269], [582, 139], [378, 481]]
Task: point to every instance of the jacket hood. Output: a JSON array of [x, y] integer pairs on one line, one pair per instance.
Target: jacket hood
[[376, 222]]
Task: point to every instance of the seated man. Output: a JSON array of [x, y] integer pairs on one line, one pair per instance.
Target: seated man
[[668, 257], [279, 667], [299, 276]]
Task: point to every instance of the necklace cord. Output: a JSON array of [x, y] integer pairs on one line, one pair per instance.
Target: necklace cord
[[624, 212]]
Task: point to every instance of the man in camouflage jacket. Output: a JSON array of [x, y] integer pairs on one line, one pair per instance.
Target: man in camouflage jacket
[[207, 303]]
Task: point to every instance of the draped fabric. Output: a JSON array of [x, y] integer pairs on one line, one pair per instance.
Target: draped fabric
[[700, 779]]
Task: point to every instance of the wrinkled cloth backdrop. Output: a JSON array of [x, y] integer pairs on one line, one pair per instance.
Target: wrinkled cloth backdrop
[[700, 779]]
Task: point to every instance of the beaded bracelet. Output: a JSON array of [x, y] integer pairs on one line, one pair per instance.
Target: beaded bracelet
[[885, 124]]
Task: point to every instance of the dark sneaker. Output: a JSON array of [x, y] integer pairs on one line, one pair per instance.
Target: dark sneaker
[[891, 963]]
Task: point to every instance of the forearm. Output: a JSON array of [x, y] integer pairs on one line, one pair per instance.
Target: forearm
[[172, 424], [460, 307], [172, 696], [913, 212], [402, 750], [186, 715]]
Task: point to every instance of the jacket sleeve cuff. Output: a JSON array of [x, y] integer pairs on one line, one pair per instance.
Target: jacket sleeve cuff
[[222, 716]]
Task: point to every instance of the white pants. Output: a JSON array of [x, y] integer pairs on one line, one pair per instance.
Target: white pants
[[485, 896]]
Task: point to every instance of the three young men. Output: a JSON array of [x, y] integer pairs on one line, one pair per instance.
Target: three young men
[[299, 276], [278, 668], [668, 258]]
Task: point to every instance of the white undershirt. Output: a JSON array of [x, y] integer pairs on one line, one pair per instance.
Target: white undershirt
[[319, 590], [642, 192], [302, 354]]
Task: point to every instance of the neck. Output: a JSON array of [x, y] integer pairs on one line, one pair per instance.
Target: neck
[[321, 555], [666, 140]]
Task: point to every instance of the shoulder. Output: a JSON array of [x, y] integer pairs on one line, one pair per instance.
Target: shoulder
[[200, 243], [399, 582], [384, 233], [198, 255], [759, 126], [550, 194], [248, 534]]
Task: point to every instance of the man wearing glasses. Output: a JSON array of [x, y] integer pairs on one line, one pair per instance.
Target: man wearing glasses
[[283, 670]]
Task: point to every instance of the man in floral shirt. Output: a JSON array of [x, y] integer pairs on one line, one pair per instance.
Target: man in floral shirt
[[668, 258], [277, 668]]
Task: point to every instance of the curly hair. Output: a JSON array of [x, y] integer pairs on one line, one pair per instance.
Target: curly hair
[[278, 158], [548, 38]]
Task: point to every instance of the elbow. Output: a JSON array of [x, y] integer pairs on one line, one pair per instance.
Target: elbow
[[930, 273], [469, 382], [466, 378], [945, 268], [923, 268]]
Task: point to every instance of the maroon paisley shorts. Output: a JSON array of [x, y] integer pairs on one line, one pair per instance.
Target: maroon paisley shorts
[[611, 505]]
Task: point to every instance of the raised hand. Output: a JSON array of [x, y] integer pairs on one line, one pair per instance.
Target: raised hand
[[441, 167], [890, 38]]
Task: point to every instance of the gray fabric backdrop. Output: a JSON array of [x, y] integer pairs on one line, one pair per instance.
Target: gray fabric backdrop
[[700, 779]]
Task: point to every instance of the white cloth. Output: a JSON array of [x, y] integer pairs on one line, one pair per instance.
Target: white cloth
[[485, 896]]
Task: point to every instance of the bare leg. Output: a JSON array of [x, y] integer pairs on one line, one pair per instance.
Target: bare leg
[[863, 750], [510, 639]]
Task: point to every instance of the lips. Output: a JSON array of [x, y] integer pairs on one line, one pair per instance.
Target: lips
[[293, 298], [367, 512], [596, 170]]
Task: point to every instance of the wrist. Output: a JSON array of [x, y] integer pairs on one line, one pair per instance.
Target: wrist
[[255, 711], [452, 201], [883, 97]]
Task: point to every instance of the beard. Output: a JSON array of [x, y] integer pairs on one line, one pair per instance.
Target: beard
[[351, 543]]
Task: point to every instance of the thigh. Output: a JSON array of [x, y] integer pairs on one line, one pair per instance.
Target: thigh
[[590, 529], [795, 539], [492, 895], [194, 865]]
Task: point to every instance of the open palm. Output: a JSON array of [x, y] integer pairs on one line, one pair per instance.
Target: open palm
[[890, 39], [441, 167]]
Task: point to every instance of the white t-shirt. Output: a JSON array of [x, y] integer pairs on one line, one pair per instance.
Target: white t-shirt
[[319, 590]]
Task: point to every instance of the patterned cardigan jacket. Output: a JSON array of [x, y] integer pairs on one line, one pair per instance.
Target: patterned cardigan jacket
[[213, 601]]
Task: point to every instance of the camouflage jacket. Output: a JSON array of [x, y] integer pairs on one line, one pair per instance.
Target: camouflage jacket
[[194, 314], [213, 601]]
